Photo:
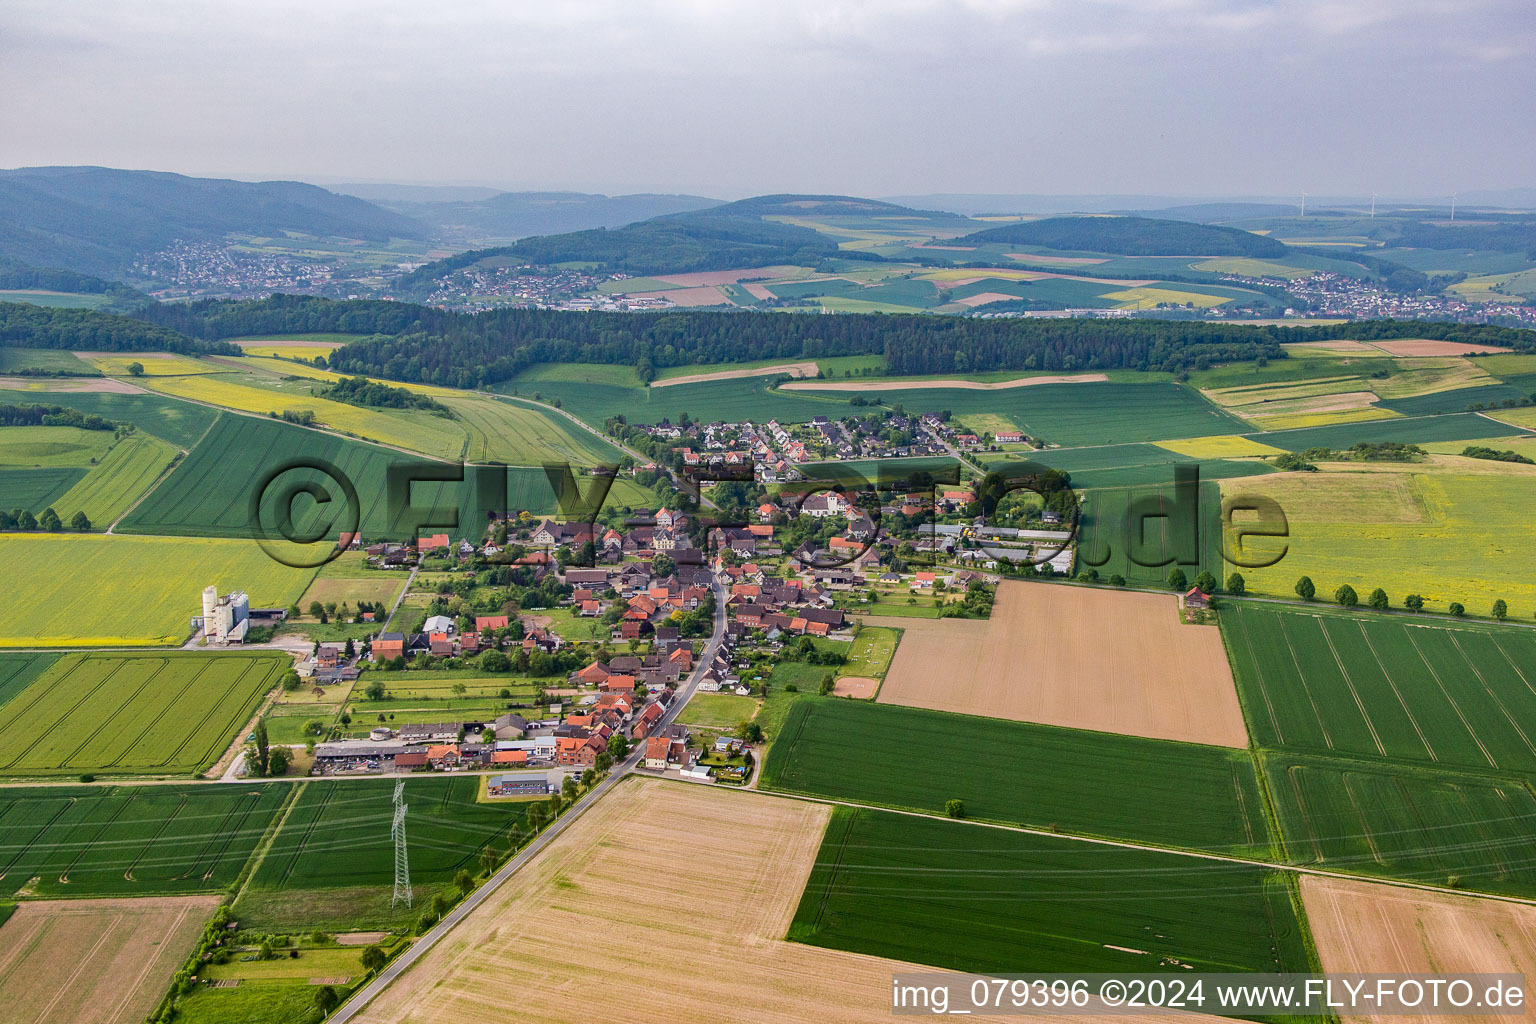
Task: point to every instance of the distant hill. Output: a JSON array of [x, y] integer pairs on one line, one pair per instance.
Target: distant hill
[[514, 215], [1215, 213], [1131, 236], [728, 236], [95, 220], [16, 275]]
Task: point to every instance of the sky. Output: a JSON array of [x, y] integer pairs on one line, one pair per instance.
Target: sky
[[728, 99]]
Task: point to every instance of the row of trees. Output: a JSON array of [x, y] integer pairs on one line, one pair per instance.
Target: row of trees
[[1348, 597], [22, 519]]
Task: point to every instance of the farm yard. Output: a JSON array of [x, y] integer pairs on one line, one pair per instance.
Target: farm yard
[[965, 898], [1159, 678], [144, 589], [103, 961], [1368, 686], [1179, 795], [120, 714], [131, 840]]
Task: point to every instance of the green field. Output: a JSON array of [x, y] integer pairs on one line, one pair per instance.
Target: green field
[[1462, 426], [127, 471], [1110, 517], [139, 713], [520, 434], [1437, 531], [334, 850], [50, 360], [966, 898], [36, 489], [1443, 828], [209, 493], [45, 447], [1372, 686], [137, 590], [1099, 784], [18, 669], [180, 423], [131, 840]]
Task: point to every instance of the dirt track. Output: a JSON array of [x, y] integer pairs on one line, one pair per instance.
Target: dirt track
[[805, 369], [95, 961], [862, 687], [965, 385], [1368, 927], [1113, 661]]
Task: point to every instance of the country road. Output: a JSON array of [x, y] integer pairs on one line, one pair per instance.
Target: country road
[[423, 945]]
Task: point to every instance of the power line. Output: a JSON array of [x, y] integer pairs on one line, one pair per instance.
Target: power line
[[402, 865]]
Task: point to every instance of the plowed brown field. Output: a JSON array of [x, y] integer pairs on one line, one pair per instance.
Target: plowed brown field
[[1114, 661], [95, 961], [1370, 928]]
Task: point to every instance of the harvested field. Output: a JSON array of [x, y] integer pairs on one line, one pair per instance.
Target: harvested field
[[861, 687], [1364, 927], [711, 948], [72, 384], [709, 278], [95, 961], [1064, 261], [1042, 657], [1426, 347], [982, 298], [758, 291], [964, 385], [805, 369], [710, 296], [1335, 345]]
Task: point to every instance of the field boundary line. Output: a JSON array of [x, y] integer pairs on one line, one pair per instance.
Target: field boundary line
[[1456, 642], [1344, 673], [1296, 869], [1301, 675], [165, 474], [259, 854], [1452, 701], [1428, 747]]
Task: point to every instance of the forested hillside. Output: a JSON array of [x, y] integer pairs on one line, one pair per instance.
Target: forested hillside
[[26, 326], [668, 245], [1132, 236], [96, 219]]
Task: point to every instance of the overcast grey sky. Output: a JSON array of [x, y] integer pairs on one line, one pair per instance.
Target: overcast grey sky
[[871, 97]]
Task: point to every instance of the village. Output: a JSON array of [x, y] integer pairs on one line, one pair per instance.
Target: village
[[609, 625]]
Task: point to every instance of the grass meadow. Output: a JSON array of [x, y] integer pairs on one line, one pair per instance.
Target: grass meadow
[[181, 423]]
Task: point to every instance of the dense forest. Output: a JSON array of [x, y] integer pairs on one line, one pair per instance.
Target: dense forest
[[1131, 236], [416, 343], [23, 325], [39, 415], [18, 275], [678, 244], [373, 395]]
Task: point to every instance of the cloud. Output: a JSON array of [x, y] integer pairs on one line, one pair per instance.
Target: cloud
[[730, 98]]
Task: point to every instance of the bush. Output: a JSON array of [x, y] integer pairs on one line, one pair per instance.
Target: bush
[[1116, 580], [1236, 584], [954, 808], [1305, 589], [1346, 596], [1378, 600], [1457, 609]]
